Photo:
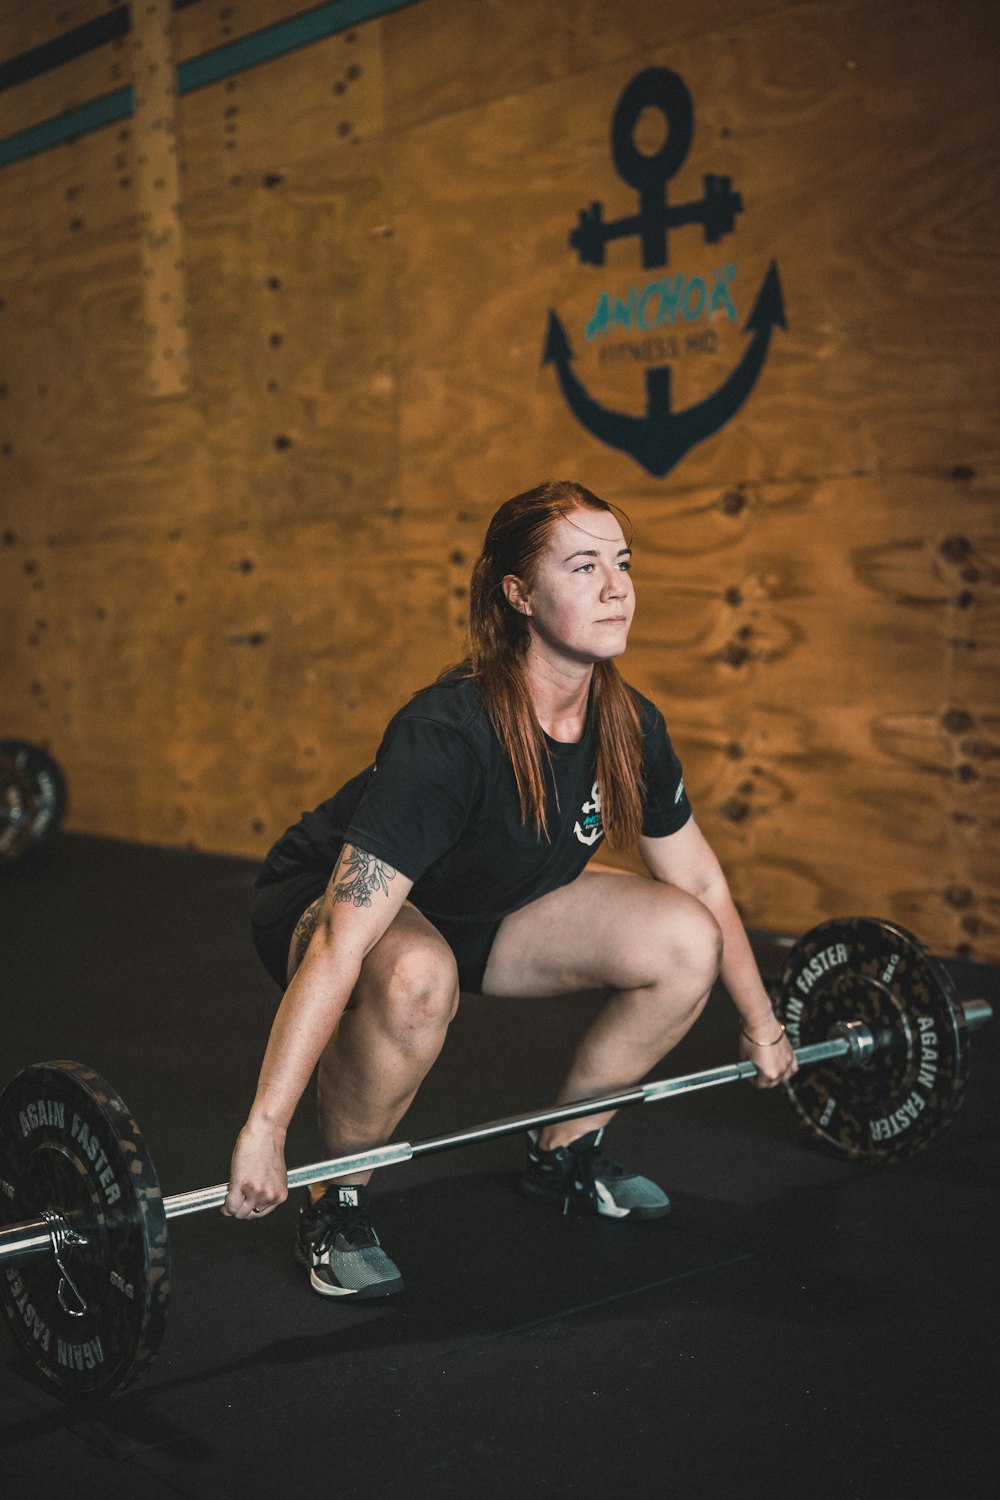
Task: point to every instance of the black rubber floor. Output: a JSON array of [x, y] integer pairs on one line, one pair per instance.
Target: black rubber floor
[[797, 1326]]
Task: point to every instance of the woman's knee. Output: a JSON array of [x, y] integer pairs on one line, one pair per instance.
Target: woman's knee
[[701, 948], [685, 944], [414, 995]]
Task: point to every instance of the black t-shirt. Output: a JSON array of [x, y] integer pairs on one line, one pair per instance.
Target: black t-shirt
[[440, 804]]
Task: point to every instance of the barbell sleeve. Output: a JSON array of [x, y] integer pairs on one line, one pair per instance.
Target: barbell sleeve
[[26, 1241], [978, 1013]]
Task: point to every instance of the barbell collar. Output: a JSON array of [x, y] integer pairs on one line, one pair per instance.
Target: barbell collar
[[862, 1044]]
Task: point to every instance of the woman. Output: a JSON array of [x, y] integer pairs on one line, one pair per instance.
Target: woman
[[460, 860]]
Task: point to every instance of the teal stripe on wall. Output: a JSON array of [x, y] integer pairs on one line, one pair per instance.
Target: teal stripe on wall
[[283, 36], [92, 116], [261, 47]]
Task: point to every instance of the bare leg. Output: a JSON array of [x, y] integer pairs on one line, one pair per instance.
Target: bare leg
[[387, 1039], [655, 948]]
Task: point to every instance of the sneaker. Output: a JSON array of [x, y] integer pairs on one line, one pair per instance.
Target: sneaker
[[340, 1249], [578, 1179]]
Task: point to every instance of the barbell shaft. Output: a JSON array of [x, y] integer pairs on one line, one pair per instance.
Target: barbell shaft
[[201, 1199], [977, 1014]]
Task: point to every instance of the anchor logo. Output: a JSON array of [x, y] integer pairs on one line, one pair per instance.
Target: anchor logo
[[660, 89], [659, 439], [592, 819]]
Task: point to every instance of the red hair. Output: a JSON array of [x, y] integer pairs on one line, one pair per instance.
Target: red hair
[[515, 541]]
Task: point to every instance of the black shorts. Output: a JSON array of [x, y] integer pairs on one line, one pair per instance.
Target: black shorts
[[278, 906]]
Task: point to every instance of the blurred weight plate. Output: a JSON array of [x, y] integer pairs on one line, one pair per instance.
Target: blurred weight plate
[[32, 798]]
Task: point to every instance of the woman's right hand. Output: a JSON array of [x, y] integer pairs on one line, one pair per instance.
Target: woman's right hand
[[258, 1180], [774, 1060]]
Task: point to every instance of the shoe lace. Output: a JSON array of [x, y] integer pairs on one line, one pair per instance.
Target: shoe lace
[[591, 1165], [349, 1224]]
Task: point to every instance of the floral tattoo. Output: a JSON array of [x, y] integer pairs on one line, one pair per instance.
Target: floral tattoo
[[359, 876]]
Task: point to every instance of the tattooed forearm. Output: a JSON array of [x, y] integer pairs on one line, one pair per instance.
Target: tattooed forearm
[[304, 929], [359, 875]]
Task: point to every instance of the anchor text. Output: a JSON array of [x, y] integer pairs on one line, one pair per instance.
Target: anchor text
[[663, 302]]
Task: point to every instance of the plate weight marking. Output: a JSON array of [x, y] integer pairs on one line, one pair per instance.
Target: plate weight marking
[[68, 1144], [861, 969]]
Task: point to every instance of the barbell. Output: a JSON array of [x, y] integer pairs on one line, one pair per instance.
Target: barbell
[[879, 1034]]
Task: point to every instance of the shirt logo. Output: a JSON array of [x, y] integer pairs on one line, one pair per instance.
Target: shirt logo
[[592, 827]]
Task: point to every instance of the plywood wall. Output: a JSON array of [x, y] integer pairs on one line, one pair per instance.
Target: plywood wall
[[241, 485]]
